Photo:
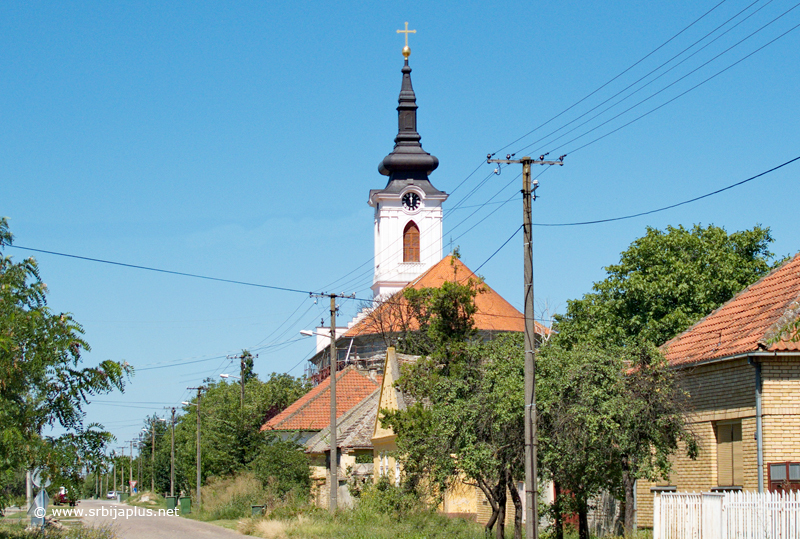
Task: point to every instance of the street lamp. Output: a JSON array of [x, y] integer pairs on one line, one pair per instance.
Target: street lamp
[[334, 445]]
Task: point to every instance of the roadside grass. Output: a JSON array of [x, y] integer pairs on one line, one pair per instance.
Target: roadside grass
[[354, 523], [16, 529]]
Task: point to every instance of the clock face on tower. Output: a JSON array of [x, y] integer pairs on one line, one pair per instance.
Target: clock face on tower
[[411, 201]]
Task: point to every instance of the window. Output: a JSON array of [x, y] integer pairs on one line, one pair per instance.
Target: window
[[411, 242], [730, 471], [784, 476]]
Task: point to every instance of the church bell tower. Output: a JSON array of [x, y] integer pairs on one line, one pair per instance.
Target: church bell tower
[[408, 211]]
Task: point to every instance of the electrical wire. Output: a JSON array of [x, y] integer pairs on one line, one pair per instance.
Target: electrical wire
[[677, 81], [159, 270], [695, 199], [610, 80], [645, 76], [677, 96]]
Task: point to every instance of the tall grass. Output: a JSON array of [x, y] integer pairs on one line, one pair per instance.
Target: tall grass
[[232, 497], [382, 512]]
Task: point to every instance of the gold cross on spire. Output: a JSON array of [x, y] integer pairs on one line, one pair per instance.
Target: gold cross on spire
[[406, 50]]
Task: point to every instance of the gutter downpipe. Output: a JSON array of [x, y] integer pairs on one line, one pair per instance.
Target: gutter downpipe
[[759, 430]]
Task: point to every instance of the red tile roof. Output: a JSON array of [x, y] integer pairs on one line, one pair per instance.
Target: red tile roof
[[312, 411], [746, 322], [493, 312]]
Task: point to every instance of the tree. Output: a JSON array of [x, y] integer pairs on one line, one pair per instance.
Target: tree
[[607, 418], [282, 466], [466, 423], [231, 437], [665, 282], [43, 384]]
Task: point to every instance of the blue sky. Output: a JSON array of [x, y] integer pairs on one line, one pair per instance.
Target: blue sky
[[240, 140]]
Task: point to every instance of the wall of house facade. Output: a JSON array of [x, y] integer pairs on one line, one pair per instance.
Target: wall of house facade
[[725, 391], [484, 508], [780, 405]]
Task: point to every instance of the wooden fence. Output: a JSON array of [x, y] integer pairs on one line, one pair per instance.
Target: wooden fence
[[729, 515]]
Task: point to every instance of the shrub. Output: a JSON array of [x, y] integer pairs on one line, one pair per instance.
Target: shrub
[[283, 467], [231, 497], [384, 498]]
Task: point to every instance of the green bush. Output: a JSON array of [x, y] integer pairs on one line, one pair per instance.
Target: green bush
[[281, 466], [386, 499]]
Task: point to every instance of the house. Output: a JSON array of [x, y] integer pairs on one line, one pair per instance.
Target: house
[[311, 413], [742, 377], [355, 429]]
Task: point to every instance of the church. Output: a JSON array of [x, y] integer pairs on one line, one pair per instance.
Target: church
[[408, 254]]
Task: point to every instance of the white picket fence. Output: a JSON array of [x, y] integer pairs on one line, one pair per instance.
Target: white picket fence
[[729, 515]]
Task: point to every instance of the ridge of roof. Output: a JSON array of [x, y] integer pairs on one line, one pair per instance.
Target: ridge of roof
[[493, 313], [351, 426], [351, 384], [745, 323]]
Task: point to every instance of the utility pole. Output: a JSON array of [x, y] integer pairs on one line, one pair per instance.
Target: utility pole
[[172, 454], [531, 443], [122, 468], [334, 445], [130, 482], [199, 395], [153, 457]]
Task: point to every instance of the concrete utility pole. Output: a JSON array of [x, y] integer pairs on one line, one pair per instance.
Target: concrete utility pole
[[334, 445], [122, 468], [130, 482], [172, 459], [531, 444], [199, 395]]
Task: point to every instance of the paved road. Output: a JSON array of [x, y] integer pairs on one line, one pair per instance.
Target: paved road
[[150, 527]]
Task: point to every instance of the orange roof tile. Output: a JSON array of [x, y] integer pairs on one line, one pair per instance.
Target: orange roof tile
[[493, 312], [746, 322], [312, 411]]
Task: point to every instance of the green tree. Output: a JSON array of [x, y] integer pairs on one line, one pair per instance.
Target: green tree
[[467, 420], [282, 466], [230, 436], [43, 384], [665, 282]]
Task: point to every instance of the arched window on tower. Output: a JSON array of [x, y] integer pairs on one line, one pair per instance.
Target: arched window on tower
[[411, 242]]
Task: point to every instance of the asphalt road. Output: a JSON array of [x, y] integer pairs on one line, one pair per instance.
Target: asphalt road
[[141, 526]]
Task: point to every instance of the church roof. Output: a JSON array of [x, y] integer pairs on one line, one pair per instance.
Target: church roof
[[746, 323], [408, 158], [493, 313], [355, 427], [312, 411]]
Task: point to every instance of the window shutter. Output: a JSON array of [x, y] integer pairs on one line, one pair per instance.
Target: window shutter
[[724, 456], [737, 455], [411, 242]]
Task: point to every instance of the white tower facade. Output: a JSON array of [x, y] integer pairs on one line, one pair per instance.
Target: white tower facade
[[408, 211], [395, 218]]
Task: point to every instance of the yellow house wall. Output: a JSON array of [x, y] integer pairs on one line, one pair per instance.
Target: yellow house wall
[[725, 391], [780, 404], [484, 512]]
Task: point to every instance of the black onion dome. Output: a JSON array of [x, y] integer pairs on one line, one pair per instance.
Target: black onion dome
[[408, 155]]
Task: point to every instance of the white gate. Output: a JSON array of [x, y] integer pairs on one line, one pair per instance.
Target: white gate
[[732, 515]]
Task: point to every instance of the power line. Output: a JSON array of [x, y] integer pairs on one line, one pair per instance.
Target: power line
[[159, 270], [645, 76], [671, 205], [643, 58], [675, 82], [498, 249]]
